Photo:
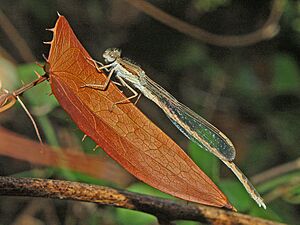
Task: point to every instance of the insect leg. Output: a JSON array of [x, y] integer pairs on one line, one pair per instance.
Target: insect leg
[[126, 100], [101, 87]]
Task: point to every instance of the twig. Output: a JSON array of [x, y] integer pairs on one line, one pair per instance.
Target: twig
[[162, 208], [267, 31], [7, 99], [16, 38], [284, 191], [276, 171], [31, 119]]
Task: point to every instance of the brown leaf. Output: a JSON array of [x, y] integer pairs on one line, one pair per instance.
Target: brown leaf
[[18, 147], [124, 133]]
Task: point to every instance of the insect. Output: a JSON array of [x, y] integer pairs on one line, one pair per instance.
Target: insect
[[187, 121]]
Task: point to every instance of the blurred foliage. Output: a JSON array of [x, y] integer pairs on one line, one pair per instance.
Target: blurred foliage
[[250, 93], [290, 82], [209, 5], [8, 75]]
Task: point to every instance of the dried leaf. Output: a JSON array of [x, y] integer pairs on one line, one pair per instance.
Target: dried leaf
[[124, 133], [18, 147]]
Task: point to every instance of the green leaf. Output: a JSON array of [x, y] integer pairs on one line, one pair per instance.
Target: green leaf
[[184, 222], [148, 190], [205, 160], [126, 216], [8, 75], [286, 77], [268, 214], [237, 195]]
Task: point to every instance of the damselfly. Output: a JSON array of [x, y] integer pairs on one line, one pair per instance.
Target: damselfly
[[188, 122]]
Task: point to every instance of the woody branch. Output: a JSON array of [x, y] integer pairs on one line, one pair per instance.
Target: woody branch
[[163, 209]]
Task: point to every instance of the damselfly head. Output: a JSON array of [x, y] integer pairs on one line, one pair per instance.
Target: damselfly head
[[111, 54]]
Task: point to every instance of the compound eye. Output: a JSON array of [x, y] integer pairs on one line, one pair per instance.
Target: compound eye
[[111, 54], [115, 53]]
